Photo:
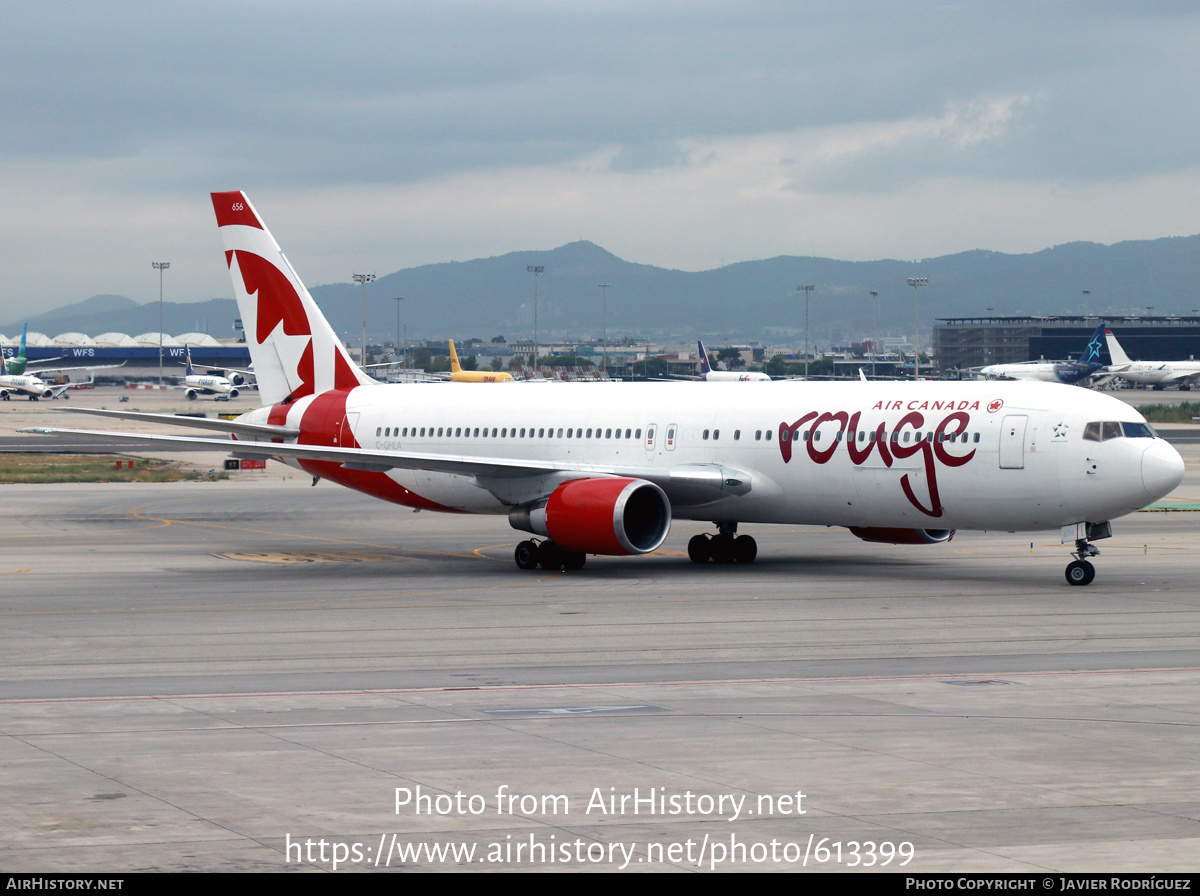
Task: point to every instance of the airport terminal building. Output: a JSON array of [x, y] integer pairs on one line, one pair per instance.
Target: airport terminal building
[[138, 354], [963, 342]]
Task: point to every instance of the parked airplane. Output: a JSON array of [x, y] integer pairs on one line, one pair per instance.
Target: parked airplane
[[725, 376], [16, 364], [603, 468], [210, 383], [28, 385], [1183, 374], [458, 375], [1069, 372]]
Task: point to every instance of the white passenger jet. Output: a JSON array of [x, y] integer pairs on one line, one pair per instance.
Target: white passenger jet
[[1068, 372], [28, 385], [14, 380], [210, 383], [603, 468], [726, 376], [1183, 374]]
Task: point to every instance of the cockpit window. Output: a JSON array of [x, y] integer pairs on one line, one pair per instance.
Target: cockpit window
[[1139, 431], [1102, 431]]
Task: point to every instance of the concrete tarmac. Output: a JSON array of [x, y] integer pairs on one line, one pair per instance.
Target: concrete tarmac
[[260, 675], [243, 676]]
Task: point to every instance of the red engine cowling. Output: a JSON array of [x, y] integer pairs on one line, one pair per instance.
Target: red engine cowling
[[601, 516], [888, 535]]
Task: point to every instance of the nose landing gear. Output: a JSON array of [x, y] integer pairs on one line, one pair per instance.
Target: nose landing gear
[[1080, 571]]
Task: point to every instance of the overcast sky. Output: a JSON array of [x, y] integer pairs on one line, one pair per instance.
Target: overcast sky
[[380, 135]]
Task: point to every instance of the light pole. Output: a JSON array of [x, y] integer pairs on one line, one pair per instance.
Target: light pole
[[806, 290], [535, 269], [398, 300], [362, 280], [160, 266], [874, 328], [604, 321], [916, 283]]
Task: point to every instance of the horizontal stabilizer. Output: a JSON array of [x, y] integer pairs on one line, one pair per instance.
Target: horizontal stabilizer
[[218, 425]]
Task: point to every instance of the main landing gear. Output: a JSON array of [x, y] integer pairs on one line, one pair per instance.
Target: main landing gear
[[724, 547], [1080, 571], [549, 556]]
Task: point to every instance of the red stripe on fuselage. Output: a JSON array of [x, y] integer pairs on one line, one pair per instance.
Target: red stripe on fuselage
[[324, 423]]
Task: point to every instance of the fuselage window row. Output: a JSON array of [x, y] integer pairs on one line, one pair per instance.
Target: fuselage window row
[[1097, 432]]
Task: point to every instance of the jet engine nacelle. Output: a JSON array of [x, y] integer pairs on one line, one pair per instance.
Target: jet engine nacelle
[[889, 535], [191, 394], [237, 379], [600, 516], [233, 393]]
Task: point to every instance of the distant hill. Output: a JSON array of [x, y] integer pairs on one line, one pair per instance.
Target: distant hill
[[757, 300], [120, 314], [754, 300]]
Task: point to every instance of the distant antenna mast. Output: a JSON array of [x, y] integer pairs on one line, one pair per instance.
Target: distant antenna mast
[[916, 283], [807, 290], [535, 269], [160, 266], [363, 280]]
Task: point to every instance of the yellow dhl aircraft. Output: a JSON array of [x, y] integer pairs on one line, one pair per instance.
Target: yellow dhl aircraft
[[458, 375]]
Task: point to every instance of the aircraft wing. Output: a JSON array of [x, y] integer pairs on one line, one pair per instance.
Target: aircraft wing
[[42, 371], [689, 484], [251, 430], [1182, 378]]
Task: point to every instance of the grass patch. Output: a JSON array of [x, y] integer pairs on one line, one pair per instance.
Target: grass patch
[[1170, 413], [93, 468]]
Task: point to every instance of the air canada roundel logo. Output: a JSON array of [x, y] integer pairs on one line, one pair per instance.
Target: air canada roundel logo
[[994, 405]]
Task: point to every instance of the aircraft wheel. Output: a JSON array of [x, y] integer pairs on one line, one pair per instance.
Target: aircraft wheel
[[722, 548], [526, 555], [33, 398], [698, 549], [745, 549], [7, 397], [574, 559], [1080, 572], [550, 556]]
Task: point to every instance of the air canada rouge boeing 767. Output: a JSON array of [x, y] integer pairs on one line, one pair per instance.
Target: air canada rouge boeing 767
[[603, 468]]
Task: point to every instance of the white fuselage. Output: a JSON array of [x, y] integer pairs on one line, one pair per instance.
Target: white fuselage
[[24, 385], [1035, 371], [205, 384], [1160, 373], [731, 376], [971, 455]]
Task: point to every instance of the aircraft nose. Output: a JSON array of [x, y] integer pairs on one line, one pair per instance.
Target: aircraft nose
[[1162, 469]]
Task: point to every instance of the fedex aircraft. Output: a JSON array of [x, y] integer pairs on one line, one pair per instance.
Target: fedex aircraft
[[1183, 374], [1069, 372], [603, 468], [725, 376]]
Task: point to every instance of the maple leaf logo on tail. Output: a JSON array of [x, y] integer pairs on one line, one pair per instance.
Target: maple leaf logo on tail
[[294, 350]]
